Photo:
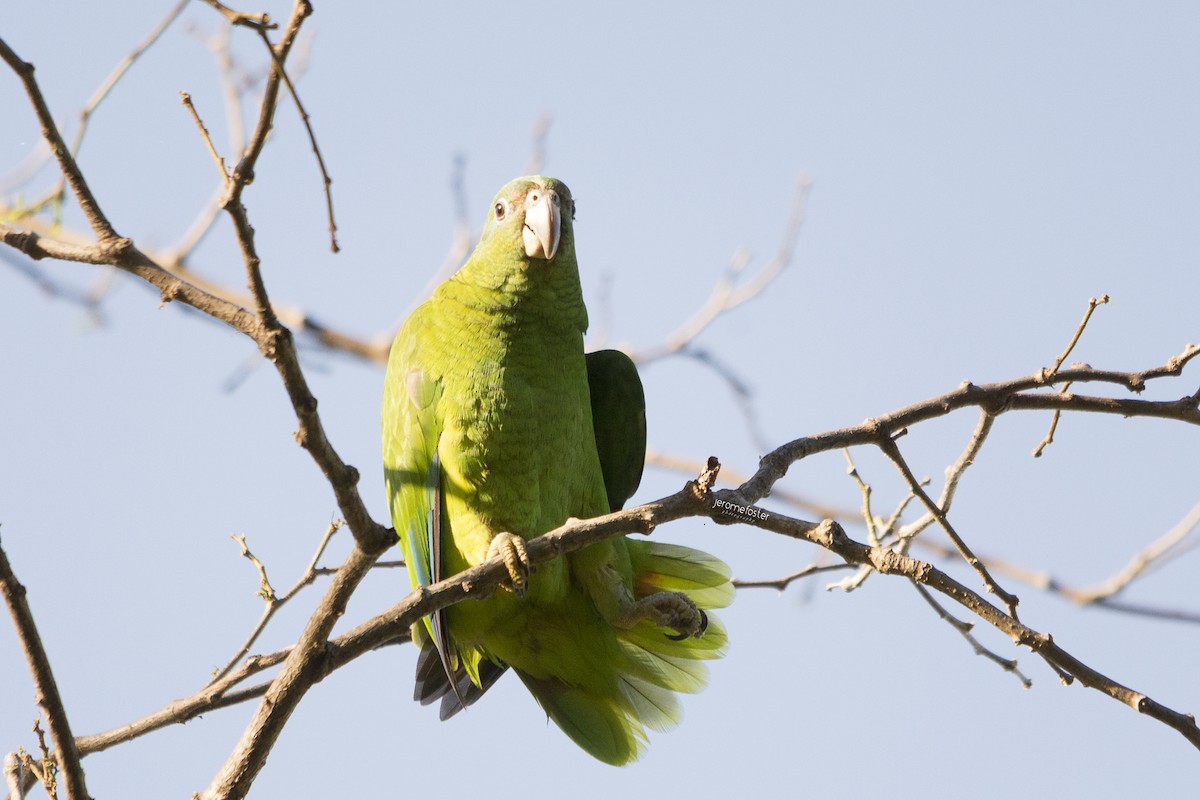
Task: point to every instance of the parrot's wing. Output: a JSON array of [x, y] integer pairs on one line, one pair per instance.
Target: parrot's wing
[[619, 422], [412, 470]]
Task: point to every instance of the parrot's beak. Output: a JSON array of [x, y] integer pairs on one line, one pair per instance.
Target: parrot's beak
[[543, 223]]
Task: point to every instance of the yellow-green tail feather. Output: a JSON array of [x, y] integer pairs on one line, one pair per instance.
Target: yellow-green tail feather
[[609, 719]]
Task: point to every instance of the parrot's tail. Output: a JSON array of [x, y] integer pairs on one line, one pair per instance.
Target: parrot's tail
[[650, 666]]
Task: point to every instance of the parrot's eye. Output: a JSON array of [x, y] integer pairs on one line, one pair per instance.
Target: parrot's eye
[[572, 209], [501, 210]]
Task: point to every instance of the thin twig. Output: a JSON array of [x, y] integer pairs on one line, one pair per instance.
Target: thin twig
[[785, 581], [175, 258], [212, 149], [954, 474], [964, 629], [865, 489], [905, 535], [852, 582], [265, 590], [1154, 554], [301, 669], [274, 603], [110, 83], [101, 93], [1087, 315], [1048, 439], [728, 294], [892, 451], [312, 138], [1170, 545], [1016, 394], [46, 770], [258, 22]]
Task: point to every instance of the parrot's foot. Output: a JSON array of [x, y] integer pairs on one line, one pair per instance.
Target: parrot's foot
[[673, 610], [512, 549]]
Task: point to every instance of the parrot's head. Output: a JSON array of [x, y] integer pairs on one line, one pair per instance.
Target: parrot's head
[[530, 221], [527, 251]]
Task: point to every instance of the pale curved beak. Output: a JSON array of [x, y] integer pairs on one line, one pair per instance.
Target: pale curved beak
[[543, 223]]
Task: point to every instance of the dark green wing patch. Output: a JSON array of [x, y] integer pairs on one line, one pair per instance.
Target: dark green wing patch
[[619, 422]]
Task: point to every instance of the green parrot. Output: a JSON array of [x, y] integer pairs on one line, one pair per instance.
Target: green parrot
[[496, 429]]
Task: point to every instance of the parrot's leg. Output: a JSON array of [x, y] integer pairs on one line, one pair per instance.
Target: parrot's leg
[[512, 549], [673, 610]]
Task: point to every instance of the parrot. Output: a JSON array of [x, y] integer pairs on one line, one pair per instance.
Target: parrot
[[497, 428]]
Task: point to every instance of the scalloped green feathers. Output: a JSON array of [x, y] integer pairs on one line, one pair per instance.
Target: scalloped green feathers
[[494, 421]]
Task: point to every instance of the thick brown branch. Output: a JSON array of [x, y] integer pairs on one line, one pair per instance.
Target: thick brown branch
[[45, 687], [87, 202], [304, 666]]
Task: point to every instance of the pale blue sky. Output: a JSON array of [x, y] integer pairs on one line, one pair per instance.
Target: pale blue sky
[[978, 173]]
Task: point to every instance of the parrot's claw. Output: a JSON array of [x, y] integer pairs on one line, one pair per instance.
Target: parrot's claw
[[679, 637], [673, 610], [512, 549]]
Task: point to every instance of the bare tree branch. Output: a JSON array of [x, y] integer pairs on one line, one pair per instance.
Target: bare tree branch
[[45, 687], [274, 603], [306, 664], [1168, 546], [212, 150], [257, 22], [997, 398], [787, 580], [888, 445], [93, 103], [1156, 553], [1048, 439], [876, 532], [728, 294], [690, 466], [312, 137], [83, 194], [964, 629]]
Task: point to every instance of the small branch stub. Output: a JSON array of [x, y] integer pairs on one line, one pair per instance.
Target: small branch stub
[[707, 479]]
